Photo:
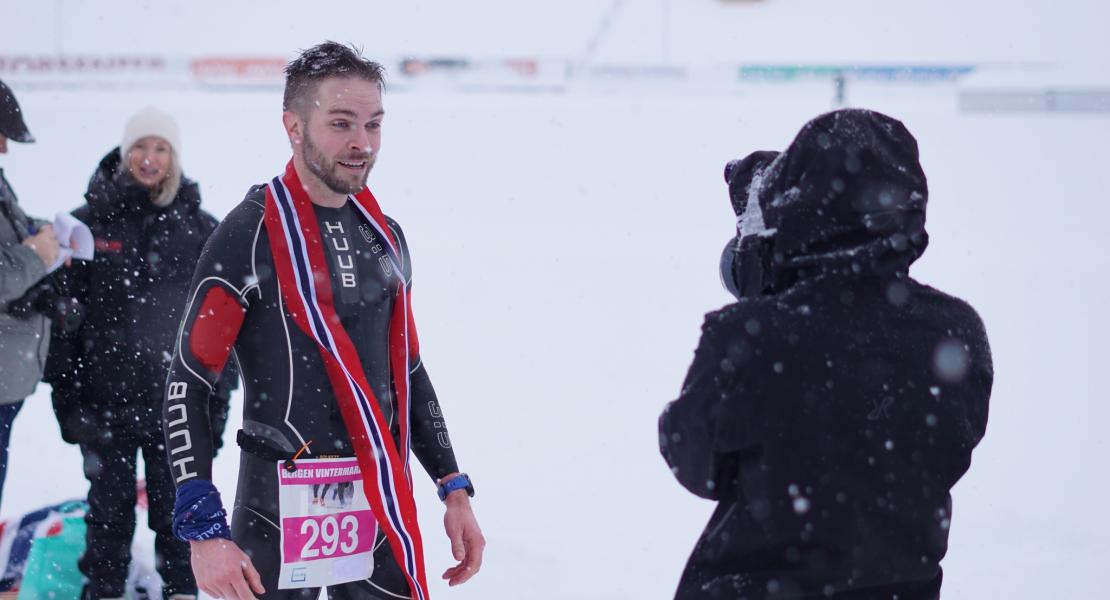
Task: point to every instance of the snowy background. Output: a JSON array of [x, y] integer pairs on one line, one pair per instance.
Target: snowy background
[[566, 248]]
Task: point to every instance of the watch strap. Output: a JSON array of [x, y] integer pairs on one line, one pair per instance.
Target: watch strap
[[459, 482]]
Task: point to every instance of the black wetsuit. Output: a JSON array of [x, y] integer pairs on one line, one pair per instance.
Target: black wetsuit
[[235, 304]]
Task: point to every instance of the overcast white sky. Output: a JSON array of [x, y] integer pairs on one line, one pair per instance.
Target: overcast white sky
[[1070, 32]]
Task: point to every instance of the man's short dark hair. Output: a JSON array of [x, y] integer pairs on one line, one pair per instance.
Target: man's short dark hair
[[329, 59]]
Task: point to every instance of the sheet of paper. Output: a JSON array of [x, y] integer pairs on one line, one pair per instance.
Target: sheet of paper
[[75, 240]]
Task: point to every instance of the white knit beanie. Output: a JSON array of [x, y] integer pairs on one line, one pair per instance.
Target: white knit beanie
[[153, 122], [150, 121]]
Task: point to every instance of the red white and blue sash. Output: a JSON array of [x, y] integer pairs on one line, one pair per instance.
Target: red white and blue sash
[[305, 283]]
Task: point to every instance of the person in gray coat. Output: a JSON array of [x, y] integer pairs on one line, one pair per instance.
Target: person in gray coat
[[27, 248]]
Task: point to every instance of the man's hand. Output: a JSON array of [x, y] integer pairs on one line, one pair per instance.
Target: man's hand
[[466, 538], [45, 244], [222, 570]]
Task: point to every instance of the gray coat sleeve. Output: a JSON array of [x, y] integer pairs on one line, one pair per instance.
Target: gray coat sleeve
[[20, 268]]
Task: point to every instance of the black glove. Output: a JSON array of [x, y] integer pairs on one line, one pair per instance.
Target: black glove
[[65, 313]]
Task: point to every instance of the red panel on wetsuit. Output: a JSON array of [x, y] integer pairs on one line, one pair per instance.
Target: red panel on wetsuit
[[216, 326]]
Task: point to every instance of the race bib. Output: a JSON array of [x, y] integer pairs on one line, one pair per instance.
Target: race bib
[[327, 527]]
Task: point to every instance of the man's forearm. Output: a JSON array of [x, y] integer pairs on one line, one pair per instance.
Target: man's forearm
[[430, 441]]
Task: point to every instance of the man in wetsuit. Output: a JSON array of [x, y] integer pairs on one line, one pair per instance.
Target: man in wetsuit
[[309, 284]]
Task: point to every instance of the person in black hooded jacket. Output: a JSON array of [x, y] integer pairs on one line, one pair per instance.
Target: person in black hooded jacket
[[109, 375], [829, 410]]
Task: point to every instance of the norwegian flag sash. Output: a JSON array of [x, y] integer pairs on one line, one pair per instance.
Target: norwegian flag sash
[[305, 283]]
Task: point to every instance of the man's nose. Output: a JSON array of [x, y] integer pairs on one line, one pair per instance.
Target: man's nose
[[360, 141]]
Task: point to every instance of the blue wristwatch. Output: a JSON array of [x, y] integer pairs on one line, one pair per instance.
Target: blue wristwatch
[[459, 482]]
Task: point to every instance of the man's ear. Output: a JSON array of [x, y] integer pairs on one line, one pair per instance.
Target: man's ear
[[294, 127]]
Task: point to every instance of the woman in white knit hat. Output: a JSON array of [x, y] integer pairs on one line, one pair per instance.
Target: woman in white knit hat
[[151, 143], [109, 375]]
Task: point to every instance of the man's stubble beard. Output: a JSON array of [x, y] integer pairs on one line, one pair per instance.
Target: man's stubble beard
[[325, 169]]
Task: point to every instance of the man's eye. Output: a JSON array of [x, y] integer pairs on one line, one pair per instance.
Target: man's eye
[[339, 124], [374, 126]]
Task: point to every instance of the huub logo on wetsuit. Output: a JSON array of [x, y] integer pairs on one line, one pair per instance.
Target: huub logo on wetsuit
[[376, 249], [341, 246], [180, 440]]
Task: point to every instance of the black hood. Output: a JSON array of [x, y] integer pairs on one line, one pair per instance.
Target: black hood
[[113, 192], [848, 193]]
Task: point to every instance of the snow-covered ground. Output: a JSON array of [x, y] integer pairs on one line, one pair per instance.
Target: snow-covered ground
[[565, 250]]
